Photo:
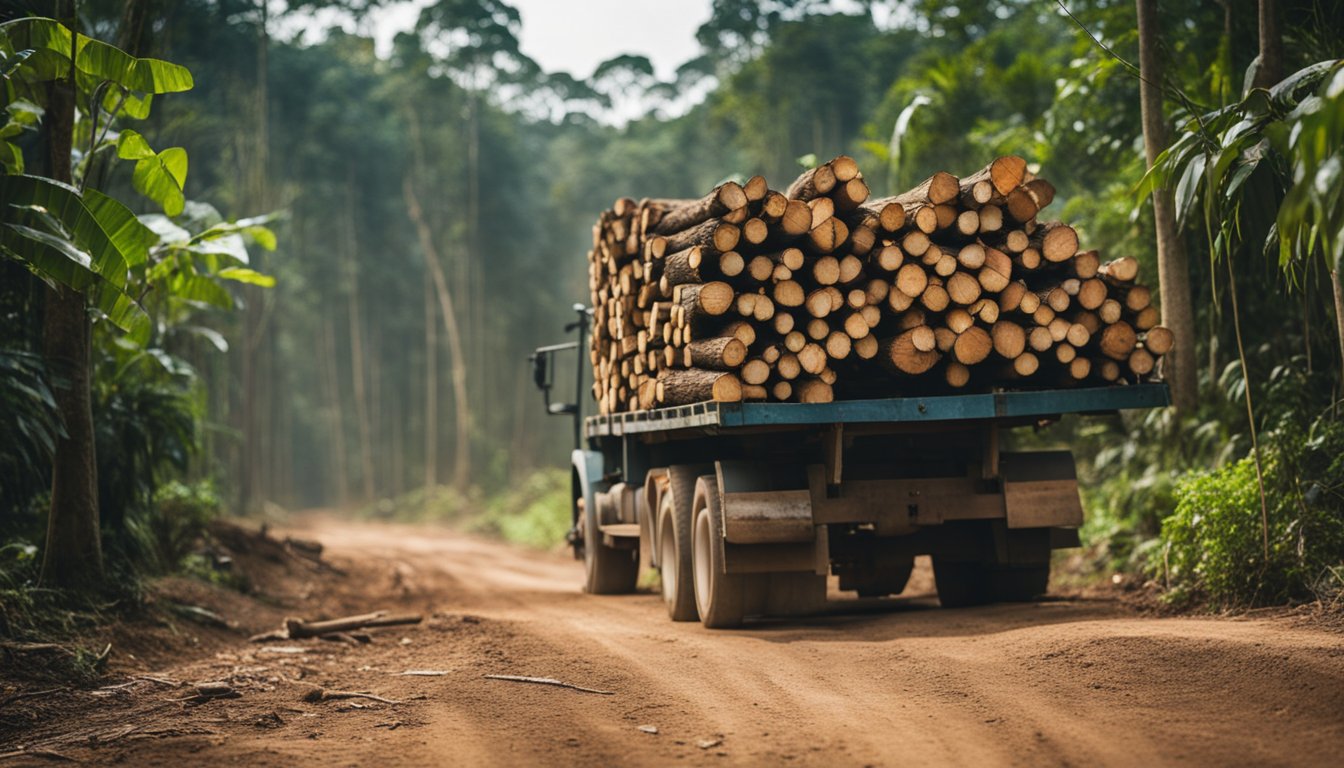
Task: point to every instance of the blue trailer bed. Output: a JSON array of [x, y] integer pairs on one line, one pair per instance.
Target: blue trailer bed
[[905, 410]]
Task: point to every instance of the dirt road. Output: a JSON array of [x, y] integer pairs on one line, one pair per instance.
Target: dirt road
[[896, 682]]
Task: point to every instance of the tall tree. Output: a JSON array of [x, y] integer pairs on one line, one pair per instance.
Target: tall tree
[[73, 554], [1173, 265]]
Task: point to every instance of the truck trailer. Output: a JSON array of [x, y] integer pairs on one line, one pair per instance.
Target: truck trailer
[[746, 508]]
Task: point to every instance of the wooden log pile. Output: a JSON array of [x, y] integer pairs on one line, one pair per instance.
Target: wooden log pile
[[823, 291]]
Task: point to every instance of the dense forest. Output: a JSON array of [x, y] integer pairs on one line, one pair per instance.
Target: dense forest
[[341, 288]]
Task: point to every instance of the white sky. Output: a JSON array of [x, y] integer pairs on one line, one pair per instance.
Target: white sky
[[571, 36]]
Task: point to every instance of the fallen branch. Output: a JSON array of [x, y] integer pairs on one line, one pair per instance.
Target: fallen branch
[[548, 681], [300, 628], [207, 692], [321, 694], [424, 673]]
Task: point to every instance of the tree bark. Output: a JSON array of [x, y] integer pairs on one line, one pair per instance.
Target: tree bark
[[1172, 262], [359, 370], [431, 384], [73, 554], [1338, 285], [1270, 70], [461, 450]]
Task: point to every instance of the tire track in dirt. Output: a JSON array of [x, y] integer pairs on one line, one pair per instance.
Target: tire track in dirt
[[1060, 682]]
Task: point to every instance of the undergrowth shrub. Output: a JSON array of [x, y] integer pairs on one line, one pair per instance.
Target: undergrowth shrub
[[534, 513], [1213, 545], [170, 530]]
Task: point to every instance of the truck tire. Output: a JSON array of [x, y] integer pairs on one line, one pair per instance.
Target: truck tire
[[719, 596], [1018, 584], [607, 570], [961, 583], [674, 557], [680, 496]]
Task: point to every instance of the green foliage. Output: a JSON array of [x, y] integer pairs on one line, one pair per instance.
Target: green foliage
[[171, 528], [145, 422], [1278, 148], [28, 430], [1212, 543], [534, 513], [160, 176]]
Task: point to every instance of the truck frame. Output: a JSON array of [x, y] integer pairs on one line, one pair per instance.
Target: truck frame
[[746, 508]]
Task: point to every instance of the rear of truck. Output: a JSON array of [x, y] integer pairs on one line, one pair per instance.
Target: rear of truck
[[746, 509]]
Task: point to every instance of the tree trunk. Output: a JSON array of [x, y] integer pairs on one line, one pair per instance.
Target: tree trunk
[[431, 385], [461, 455], [73, 554], [1337, 283], [1270, 70], [335, 409], [358, 368], [1172, 262]]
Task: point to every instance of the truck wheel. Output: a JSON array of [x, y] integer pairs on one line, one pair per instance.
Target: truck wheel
[[720, 596], [607, 570], [1019, 584], [961, 583], [674, 558]]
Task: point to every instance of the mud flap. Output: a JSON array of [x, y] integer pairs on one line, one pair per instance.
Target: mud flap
[[767, 520], [1040, 490]]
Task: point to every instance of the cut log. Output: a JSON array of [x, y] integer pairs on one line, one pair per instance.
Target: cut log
[[812, 183], [827, 237], [755, 371], [911, 280], [822, 208], [997, 271], [788, 293], [692, 385], [1141, 362], [756, 188], [912, 352], [710, 235], [1124, 269], [1009, 339], [721, 354], [839, 345], [813, 391], [935, 297], [956, 375], [704, 300], [1010, 298], [1004, 174], [866, 348], [848, 195], [1159, 340], [812, 358], [826, 270], [941, 187], [726, 197], [972, 346], [963, 288], [889, 212], [1118, 340]]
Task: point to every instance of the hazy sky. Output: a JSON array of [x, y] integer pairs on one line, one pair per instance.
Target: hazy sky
[[576, 35]]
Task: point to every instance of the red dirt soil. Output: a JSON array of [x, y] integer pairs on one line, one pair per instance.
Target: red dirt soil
[[893, 682]]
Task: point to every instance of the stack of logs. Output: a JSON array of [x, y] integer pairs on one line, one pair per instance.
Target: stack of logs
[[819, 291]]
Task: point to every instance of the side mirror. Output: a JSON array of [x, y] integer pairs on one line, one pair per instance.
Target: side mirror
[[539, 370]]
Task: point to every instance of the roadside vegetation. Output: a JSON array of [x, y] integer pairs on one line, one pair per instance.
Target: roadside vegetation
[[171, 352]]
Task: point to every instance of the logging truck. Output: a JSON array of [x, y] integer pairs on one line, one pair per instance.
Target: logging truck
[[746, 508]]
